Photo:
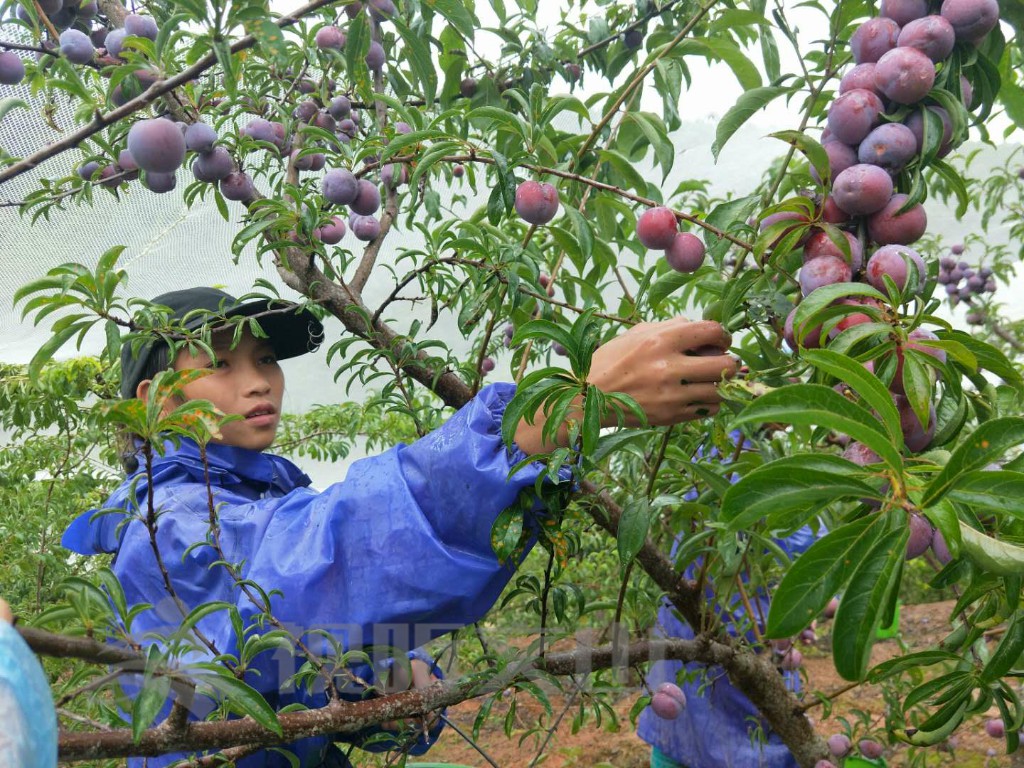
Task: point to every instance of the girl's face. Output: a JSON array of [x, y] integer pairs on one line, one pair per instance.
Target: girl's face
[[247, 381]]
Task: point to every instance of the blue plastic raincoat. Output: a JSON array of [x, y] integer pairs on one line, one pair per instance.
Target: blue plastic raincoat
[[395, 555]]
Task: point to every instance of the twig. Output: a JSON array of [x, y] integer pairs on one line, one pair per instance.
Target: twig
[[469, 741], [636, 24]]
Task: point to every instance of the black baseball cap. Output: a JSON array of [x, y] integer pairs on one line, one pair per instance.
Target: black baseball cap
[[291, 329]]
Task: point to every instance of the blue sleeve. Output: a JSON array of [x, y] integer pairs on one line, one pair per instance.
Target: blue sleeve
[[395, 555]]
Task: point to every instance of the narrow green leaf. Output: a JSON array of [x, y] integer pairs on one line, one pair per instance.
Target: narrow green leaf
[[1000, 491], [775, 492], [814, 404], [864, 601], [633, 526], [988, 443], [458, 13], [864, 383], [148, 703], [819, 573], [1009, 652], [810, 148], [750, 102], [991, 555], [241, 697]]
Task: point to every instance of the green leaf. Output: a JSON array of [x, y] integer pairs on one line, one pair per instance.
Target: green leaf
[[633, 526], [819, 573], [240, 696], [863, 382], [52, 344], [909, 662], [458, 13], [6, 105], [421, 63], [666, 285], [1000, 491], [750, 102], [814, 404], [148, 703], [1008, 653], [811, 149], [860, 611], [991, 555], [777, 490], [989, 359], [988, 443]]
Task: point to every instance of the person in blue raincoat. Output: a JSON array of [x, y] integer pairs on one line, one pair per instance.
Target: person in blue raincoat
[[395, 555], [716, 728]]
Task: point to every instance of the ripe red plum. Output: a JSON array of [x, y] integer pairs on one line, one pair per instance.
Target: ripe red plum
[[852, 115], [487, 365], [860, 76], [686, 253], [832, 213], [633, 39], [340, 107], [852, 319], [920, 536], [840, 157], [458, 171], [87, 170], [839, 744], [872, 750], [467, 87], [537, 202], [915, 122], [831, 608], [12, 69], [971, 19], [890, 146], [905, 75], [888, 226], [903, 11], [657, 227], [932, 35], [862, 189], [873, 38], [861, 455], [825, 270], [820, 244], [811, 340], [157, 145], [793, 660], [367, 199], [995, 728], [895, 261]]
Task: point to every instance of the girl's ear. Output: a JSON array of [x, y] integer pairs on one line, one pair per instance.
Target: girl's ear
[[142, 391]]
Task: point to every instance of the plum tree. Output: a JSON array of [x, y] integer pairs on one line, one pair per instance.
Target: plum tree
[[536, 202], [157, 145], [432, 273], [657, 227]]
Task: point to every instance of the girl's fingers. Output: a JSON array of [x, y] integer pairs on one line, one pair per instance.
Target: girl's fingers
[[5, 612], [699, 411], [702, 333], [702, 369], [699, 393]]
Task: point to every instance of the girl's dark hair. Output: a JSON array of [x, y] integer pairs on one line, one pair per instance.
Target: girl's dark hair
[[159, 358]]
